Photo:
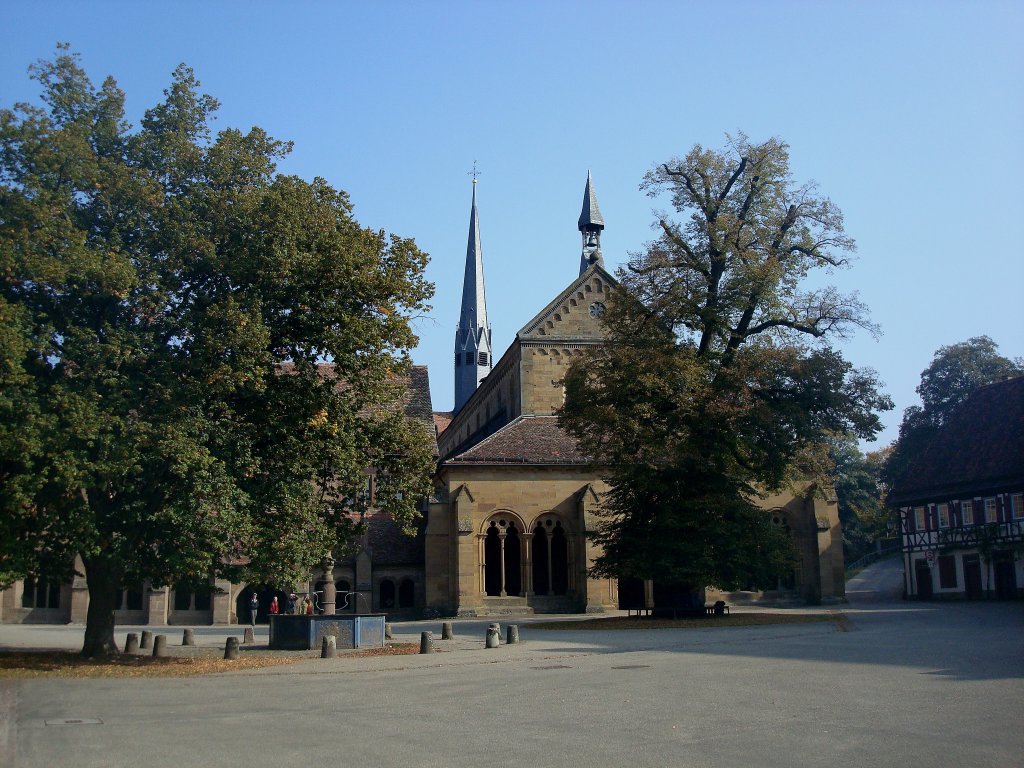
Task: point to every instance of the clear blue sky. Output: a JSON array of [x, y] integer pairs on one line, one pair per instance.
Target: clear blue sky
[[909, 115]]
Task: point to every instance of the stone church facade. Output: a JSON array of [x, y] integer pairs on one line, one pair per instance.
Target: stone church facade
[[506, 530]]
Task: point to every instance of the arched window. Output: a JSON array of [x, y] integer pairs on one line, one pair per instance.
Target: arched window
[[407, 594], [387, 593], [40, 594], [550, 557], [502, 557]]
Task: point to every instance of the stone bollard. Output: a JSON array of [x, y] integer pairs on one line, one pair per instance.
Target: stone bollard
[[160, 646], [329, 647], [131, 643], [231, 648], [249, 638], [513, 634], [147, 640], [426, 642], [388, 634], [188, 637], [446, 631], [493, 636]]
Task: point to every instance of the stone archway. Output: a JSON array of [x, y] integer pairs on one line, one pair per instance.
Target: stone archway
[[502, 557], [550, 556]]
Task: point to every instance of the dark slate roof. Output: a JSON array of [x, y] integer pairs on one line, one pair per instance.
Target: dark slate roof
[[979, 450], [418, 405], [389, 545], [526, 440], [591, 214]]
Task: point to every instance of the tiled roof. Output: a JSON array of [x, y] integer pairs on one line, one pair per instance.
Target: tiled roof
[[979, 449], [415, 398], [441, 420], [526, 440]]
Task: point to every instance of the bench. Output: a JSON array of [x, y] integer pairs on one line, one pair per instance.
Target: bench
[[718, 609]]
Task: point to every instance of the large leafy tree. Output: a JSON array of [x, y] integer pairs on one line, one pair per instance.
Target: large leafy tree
[[860, 491], [199, 357], [718, 382], [954, 372]]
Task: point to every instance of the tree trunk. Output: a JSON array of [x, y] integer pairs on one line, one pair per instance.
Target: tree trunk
[[104, 582]]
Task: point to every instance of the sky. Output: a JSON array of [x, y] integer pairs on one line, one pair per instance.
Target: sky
[[908, 115]]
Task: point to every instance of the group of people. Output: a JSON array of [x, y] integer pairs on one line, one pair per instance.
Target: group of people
[[294, 607]]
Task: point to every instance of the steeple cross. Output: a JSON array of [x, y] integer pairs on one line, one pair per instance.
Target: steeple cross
[[474, 173]]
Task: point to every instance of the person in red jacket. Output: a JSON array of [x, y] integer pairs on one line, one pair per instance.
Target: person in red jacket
[[274, 608]]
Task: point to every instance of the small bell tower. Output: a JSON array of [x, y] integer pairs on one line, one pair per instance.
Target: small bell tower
[[590, 225]]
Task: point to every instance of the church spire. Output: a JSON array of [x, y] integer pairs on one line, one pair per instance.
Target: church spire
[[473, 357], [590, 225]]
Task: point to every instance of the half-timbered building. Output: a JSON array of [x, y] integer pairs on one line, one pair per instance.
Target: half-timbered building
[[961, 502]]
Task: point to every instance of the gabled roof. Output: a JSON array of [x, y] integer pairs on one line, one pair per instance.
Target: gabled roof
[[979, 450], [526, 440], [596, 270]]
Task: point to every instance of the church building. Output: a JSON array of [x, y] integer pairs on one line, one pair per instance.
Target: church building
[[506, 529]]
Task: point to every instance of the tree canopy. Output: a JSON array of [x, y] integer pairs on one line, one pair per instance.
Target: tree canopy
[[953, 374], [200, 358], [718, 380]]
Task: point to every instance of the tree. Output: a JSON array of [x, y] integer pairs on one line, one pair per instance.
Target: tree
[[860, 491], [953, 374], [201, 357], [717, 380]]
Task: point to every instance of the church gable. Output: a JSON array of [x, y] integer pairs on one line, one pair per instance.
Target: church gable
[[576, 313]]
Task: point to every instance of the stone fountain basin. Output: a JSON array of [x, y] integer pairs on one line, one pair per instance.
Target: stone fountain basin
[[303, 633]]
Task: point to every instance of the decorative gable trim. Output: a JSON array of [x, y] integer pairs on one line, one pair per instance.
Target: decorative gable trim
[[547, 319]]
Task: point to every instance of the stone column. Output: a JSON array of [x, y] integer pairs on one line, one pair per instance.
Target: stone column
[[222, 603], [501, 540], [330, 593], [527, 564], [79, 608], [156, 607]]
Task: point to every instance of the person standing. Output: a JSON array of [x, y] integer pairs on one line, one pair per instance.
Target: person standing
[[254, 606], [274, 608]]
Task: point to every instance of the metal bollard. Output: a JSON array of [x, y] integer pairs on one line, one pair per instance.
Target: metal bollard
[[329, 647], [131, 643], [513, 634], [188, 637], [249, 638], [493, 636], [446, 631], [160, 646], [388, 634], [231, 648], [147, 640], [426, 642]]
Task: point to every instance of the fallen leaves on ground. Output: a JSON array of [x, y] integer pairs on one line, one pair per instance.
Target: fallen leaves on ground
[[31, 664]]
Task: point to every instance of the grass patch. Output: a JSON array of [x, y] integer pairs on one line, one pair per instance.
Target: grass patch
[[34, 664], [710, 622]]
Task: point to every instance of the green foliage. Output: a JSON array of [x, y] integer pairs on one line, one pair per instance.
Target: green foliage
[[954, 372], [167, 302], [717, 380], [861, 490]]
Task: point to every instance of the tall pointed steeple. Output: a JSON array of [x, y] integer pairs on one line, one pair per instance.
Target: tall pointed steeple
[[473, 354], [590, 225]]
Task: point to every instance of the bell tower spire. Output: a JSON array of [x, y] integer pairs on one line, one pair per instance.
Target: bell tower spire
[[590, 225], [473, 353]]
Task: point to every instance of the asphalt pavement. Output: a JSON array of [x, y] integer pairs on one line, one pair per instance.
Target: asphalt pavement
[[894, 684]]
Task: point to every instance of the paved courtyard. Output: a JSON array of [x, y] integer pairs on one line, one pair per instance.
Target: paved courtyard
[[897, 684]]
